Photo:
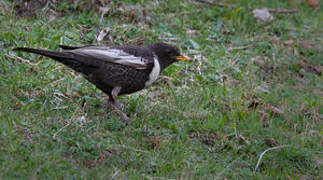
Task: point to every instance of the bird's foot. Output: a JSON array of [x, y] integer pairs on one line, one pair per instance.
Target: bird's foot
[[116, 105], [116, 108], [124, 118]]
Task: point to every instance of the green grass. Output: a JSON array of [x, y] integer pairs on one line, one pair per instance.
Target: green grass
[[209, 118]]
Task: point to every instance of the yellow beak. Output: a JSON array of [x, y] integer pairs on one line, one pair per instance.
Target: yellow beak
[[182, 58]]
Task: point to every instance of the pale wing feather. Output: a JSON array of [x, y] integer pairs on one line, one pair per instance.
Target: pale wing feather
[[113, 56]]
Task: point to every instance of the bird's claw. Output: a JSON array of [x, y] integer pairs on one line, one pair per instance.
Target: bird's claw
[[117, 108], [124, 118]]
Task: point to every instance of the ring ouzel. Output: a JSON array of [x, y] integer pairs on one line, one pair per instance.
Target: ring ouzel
[[116, 70]]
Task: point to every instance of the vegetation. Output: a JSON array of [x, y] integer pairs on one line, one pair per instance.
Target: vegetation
[[252, 86]]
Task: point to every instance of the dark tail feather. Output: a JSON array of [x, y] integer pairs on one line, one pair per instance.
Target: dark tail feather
[[76, 62], [63, 57], [59, 56]]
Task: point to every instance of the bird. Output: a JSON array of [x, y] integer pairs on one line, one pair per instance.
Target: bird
[[116, 70]]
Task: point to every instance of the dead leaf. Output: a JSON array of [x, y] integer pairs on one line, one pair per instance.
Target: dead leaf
[[258, 60], [308, 67], [318, 161], [291, 2], [273, 109], [271, 142], [102, 34], [146, 16], [263, 116], [209, 139], [254, 104], [34, 93], [288, 43], [262, 15], [276, 110], [263, 89], [103, 157], [241, 138], [191, 32], [155, 141], [139, 41], [317, 91], [313, 3], [129, 11], [306, 45]]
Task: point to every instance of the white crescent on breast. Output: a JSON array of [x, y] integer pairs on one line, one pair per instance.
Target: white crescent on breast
[[154, 74]]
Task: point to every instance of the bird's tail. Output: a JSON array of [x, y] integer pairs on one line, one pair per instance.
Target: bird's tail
[[52, 54], [66, 58]]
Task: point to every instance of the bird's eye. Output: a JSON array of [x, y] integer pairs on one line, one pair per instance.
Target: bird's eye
[[169, 52]]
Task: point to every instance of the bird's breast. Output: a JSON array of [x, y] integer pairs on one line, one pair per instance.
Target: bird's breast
[[154, 74]]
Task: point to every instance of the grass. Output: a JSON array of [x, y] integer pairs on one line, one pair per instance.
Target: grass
[[252, 86]]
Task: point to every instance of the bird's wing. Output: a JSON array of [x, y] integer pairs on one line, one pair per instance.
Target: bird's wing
[[114, 55]]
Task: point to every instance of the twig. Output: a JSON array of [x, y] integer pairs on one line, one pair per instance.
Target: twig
[[57, 81], [21, 59], [215, 3], [61, 129], [69, 123], [284, 11], [193, 54], [58, 108], [239, 48], [199, 66], [199, 58], [114, 174], [104, 12], [240, 137], [263, 153]]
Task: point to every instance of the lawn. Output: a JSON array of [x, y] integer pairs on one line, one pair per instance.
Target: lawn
[[249, 106]]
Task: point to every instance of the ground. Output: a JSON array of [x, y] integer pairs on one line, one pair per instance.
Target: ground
[[249, 106]]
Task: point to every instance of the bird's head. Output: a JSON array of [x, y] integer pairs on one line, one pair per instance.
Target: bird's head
[[167, 54]]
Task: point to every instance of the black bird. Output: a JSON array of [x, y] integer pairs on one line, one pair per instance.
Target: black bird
[[116, 70]]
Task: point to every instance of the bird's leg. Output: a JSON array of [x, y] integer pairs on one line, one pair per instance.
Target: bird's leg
[[113, 101], [114, 95]]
